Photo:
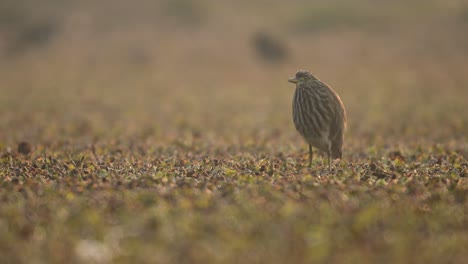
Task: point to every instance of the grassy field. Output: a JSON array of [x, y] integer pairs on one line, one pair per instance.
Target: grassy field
[[161, 132]]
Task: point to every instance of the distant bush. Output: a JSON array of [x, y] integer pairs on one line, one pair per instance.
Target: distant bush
[[326, 17], [268, 47], [184, 11], [464, 14], [24, 26], [34, 35]]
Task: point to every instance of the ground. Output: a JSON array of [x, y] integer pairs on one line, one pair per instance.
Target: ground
[[162, 133]]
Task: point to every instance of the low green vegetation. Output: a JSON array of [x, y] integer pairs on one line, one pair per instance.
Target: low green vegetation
[[192, 207]]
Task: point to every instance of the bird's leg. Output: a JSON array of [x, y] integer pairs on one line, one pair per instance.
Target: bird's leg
[[329, 158], [310, 156]]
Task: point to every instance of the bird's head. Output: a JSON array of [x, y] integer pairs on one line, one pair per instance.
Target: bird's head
[[302, 76]]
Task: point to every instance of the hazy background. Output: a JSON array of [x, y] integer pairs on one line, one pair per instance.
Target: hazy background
[[161, 132], [217, 70]]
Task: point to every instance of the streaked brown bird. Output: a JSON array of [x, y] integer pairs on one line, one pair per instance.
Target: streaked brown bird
[[319, 115]]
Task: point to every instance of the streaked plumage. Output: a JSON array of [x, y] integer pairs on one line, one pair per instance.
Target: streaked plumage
[[319, 115]]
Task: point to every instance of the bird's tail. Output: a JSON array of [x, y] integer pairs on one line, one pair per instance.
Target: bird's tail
[[336, 147], [336, 152], [339, 127]]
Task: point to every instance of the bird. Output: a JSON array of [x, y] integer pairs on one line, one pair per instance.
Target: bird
[[319, 115]]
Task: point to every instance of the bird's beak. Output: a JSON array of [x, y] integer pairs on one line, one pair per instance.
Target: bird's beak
[[293, 80]]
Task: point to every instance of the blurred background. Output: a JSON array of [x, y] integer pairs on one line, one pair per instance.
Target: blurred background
[[178, 70]]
